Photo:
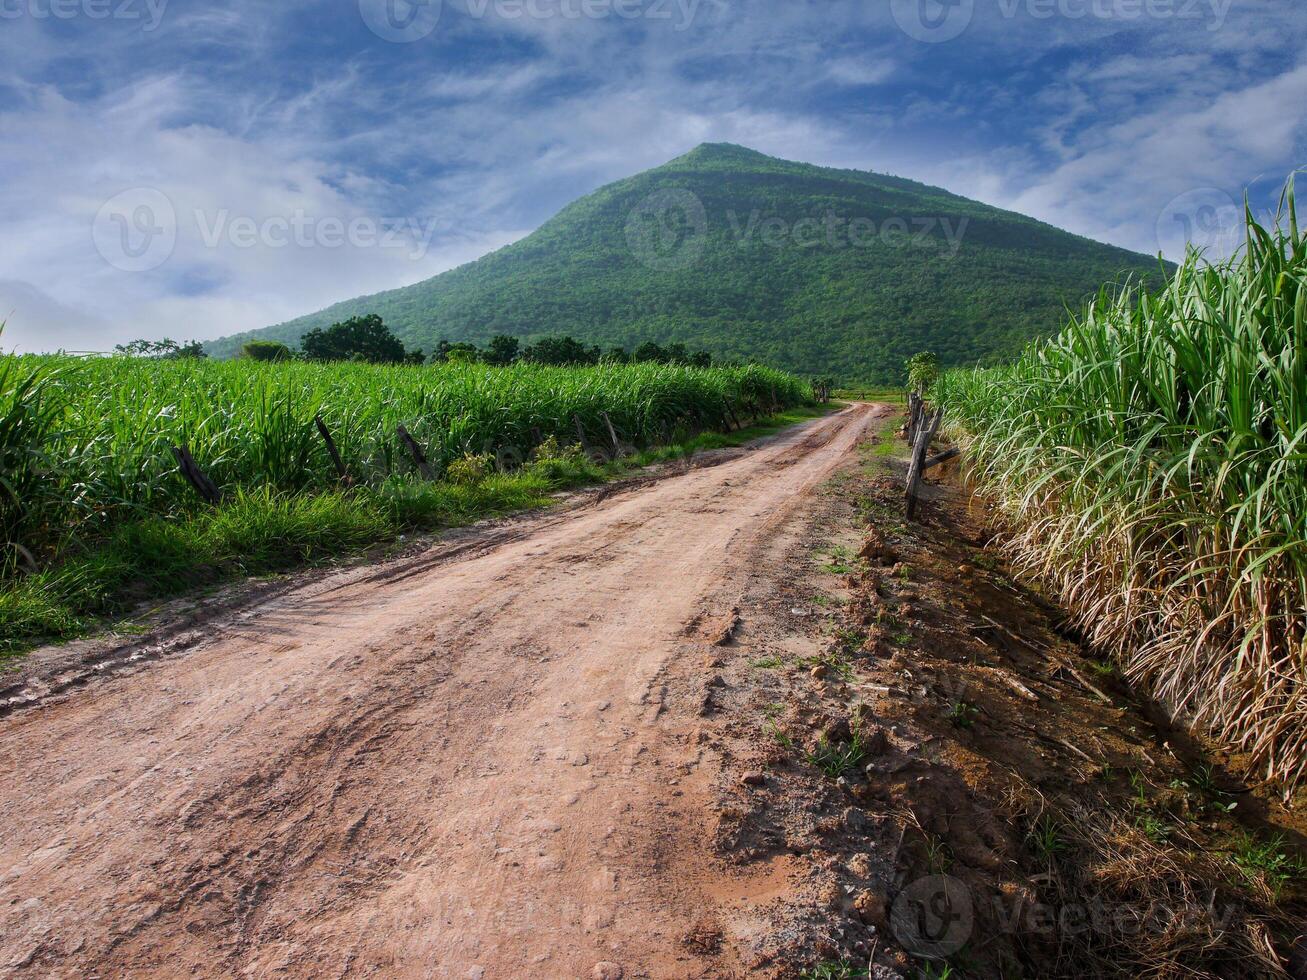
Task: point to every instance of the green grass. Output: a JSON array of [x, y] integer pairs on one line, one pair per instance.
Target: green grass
[[834, 970], [1268, 863], [1045, 839], [939, 859], [849, 641], [962, 714], [894, 395], [1154, 828], [102, 542], [840, 563], [837, 758], [1152, 459]]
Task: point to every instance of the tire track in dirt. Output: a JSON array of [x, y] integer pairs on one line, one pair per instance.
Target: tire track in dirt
[[486, 760]]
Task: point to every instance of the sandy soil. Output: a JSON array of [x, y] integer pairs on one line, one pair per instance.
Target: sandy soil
[[490, 759]]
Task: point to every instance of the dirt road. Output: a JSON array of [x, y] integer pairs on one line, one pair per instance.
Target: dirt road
[[482, 761]]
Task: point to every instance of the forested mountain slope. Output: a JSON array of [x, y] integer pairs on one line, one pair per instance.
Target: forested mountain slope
[[808, 268]]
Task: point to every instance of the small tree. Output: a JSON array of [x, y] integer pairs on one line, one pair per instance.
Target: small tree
[[360, 338], [164, 350], [503, 350], [266, 350], [649, 351], [462, 354], [561, 351], [923, 371]]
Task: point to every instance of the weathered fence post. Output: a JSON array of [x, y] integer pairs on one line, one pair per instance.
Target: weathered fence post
[[580, 434], [414, 450], [331, 449], [914, 411], [612, 435], [943, 457], [195, 476], [926, 432], [731, 420]]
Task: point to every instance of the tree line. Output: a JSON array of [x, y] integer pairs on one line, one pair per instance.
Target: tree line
[[367, 338]]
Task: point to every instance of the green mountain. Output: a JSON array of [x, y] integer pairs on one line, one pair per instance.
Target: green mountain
[[812, 269]]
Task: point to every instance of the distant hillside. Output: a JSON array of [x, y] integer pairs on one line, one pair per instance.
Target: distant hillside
[[807, 268]]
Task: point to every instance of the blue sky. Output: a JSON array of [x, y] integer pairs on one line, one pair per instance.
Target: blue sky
[[193, 169]]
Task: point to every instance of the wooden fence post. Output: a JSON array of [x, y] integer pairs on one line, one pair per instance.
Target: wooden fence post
[[331, 449], [914, 412], [414, 450], [943, 457], [612, 435], [730, 416], [195, 476], [580, 434], [926, 432]]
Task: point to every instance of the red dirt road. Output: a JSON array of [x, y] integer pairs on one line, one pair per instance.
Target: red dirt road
[[482, 761]]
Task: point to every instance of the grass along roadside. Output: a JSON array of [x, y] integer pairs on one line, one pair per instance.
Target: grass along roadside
[[1150, 462], [1064, 827], [88, 444], [889, 394], [263, 531]]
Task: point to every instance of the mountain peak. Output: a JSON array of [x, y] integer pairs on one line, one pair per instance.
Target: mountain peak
[[708, 153]]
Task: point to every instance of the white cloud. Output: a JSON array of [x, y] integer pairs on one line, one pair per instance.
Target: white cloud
[[36, 322], [222, 276], [483, 130]]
